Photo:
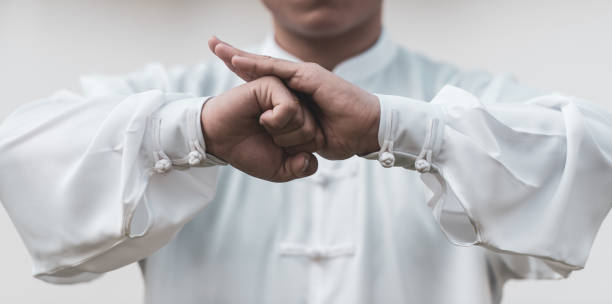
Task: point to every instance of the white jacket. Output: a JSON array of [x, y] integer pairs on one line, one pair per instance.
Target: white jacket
[[96, 182]]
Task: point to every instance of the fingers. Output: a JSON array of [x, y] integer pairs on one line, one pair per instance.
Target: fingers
[[213, 42], [224, 52], [227, 53], [284, 117], [307, 137], [303, 77], [303, 135], [296, 166], [315, 145], [252, 69], [282, 111], [287, 120], [262, 66]]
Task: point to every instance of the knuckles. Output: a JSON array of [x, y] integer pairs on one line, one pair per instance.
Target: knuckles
[[312, 68], [269, 81], [308, 132], [273, 124]]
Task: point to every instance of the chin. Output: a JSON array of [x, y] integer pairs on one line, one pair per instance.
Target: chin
[[322, 18], [322, 23]]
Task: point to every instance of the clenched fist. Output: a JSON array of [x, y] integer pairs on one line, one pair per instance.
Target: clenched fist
[[261, 129], [347, 115]]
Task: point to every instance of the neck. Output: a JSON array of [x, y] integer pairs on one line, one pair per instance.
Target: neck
[[329, 51]]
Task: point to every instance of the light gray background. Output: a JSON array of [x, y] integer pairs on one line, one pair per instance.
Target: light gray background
[[45, 45]]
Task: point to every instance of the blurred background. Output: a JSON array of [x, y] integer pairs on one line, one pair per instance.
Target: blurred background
[[563, 45]]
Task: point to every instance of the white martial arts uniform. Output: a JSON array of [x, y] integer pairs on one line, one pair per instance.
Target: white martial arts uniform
[[96, 182]]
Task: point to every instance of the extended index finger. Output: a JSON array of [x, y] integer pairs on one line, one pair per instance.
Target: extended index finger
[[225, 52], [255, 66], [265, 66], [302, 77]]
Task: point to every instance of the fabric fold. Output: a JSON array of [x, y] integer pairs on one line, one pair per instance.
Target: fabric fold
[[506, 185], [91, 206]]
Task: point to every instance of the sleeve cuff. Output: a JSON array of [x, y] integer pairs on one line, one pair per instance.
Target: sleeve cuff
[[179, 142], [408, 133]]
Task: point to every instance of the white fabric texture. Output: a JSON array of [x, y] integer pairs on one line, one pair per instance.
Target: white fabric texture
[[86, 165], [504, 166], [121, 174]]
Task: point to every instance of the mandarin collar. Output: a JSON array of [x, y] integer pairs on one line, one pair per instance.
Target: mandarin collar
[[353, 69]]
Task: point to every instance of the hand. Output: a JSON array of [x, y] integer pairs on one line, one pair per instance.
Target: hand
[[347, 115], [261, 129]]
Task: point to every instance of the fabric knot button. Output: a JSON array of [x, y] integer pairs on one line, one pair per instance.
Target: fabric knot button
[[387, 159], [195, 158], [322, 180], [163, 165], [315, 253], [422, 165]]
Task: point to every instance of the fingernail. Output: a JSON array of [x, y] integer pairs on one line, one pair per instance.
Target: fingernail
[[306, 164]]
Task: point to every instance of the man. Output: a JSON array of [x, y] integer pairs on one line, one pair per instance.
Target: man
[[123, 174]]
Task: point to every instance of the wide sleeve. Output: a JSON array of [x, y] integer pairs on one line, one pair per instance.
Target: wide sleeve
[[96, 183], [530, 179]]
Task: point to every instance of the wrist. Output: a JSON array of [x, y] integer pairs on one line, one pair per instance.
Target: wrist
[[208, 126], [369, 142]]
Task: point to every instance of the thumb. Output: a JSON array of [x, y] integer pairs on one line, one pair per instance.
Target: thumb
[[297, 166]]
